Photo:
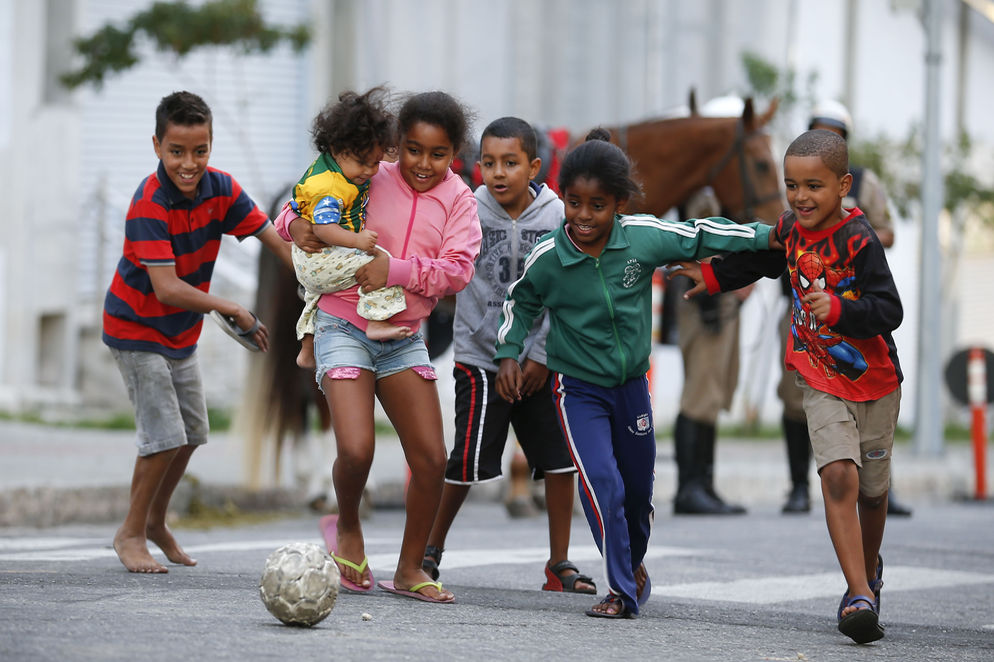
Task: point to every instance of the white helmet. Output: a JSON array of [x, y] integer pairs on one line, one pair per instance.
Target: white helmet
[[831, 113], [726, 106]]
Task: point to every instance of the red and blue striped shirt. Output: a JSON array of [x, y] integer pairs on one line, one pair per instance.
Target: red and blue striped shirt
[[164, 227]]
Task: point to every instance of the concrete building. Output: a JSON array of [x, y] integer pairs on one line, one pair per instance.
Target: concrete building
[[69, 161]]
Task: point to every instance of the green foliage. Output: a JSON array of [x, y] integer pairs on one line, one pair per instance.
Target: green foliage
[[898, 164], [896, 161], [763, 76], [767, 80], [178, 28]]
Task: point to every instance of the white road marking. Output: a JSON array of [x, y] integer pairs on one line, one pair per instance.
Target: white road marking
[[767, 590], [7, 544], [464, 558], [755, 590], [106, 551]]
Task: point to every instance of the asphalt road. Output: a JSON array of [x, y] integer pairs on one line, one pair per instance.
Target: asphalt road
[[759, 587]]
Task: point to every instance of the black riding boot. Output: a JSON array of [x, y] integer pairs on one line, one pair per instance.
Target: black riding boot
[[705, 448], [692, 497], [798, 459], [895, 507]]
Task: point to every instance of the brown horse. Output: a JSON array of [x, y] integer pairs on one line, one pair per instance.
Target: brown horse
[[280, 399], [673, 159]]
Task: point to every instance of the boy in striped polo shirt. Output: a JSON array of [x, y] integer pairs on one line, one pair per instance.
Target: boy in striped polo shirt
[[154, 310]]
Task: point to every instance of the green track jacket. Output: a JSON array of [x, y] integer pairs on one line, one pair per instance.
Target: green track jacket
[[600, 309]]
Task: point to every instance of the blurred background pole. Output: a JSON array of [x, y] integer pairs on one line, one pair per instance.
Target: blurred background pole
[[928, 426]]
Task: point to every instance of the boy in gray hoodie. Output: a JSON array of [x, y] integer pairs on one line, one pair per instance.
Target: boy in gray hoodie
[[514, 214]]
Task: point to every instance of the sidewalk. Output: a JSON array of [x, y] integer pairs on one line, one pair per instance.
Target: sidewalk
[[56, 475]]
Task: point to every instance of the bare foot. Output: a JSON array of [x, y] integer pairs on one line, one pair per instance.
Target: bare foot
[[134, 554], [385, 331], [163, 537], [305, 359], [640, 576]]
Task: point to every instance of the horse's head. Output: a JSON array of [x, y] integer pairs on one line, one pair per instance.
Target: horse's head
[[746, 179], [676, 156]]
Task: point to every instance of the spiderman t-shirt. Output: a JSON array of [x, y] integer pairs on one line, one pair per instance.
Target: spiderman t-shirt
[[851, 354]]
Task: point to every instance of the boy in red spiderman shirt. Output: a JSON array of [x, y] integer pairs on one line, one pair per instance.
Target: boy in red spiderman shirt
[[845, 306]]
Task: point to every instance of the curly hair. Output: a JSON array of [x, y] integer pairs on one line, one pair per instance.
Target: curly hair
[[599, 159], [356, 123], [439, 109]]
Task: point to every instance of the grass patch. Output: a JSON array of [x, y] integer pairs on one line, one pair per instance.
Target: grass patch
[[202, 517], [219, 419]]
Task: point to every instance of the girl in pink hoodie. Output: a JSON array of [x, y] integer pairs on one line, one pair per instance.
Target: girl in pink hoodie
[[426, 219]]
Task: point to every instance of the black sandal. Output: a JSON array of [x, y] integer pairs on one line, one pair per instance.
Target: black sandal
[[557, 581], [611, 599], [433, 557]]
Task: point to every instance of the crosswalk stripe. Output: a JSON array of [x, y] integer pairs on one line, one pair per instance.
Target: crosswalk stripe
[[753, 590], [69, 553], [473, 558], [8, 544], [767, 590]]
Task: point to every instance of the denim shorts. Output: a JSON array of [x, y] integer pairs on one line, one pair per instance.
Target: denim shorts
[[168, 397], [341, 350]]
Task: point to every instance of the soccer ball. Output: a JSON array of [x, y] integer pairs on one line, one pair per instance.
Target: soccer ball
[[299, 584]]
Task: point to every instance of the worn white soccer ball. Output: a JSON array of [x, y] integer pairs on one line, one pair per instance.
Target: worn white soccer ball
[[299, 584]]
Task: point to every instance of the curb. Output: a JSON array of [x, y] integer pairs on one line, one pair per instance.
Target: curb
[[41, 507]]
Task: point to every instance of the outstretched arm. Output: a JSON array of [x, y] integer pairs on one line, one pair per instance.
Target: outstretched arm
[[172, 290]]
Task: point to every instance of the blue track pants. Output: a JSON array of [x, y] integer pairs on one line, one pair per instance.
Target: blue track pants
[[612, 440]]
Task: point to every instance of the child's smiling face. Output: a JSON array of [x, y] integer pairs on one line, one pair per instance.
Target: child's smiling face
[[814, 192], [184, 151], [426, 152], [590, 214]]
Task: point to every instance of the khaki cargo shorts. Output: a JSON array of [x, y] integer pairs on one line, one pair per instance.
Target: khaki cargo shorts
[[859, 431]]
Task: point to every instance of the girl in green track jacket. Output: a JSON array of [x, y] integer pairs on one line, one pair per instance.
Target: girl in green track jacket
[[599, 300], [594, 275]]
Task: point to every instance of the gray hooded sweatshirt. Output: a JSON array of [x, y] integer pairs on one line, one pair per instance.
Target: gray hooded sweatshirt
[[505, 244]]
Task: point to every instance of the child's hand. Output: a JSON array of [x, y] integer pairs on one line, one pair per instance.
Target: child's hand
[[818, 302], [691, 270], [373, 275], [245, 319], [509, 380], [533, 378], [366, 241], [775, 244], [302, 232]]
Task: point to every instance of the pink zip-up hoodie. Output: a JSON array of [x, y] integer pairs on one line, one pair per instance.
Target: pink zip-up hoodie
[[433, 237]]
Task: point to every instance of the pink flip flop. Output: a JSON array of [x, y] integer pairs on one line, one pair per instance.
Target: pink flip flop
[[413, 591], [329, 529]]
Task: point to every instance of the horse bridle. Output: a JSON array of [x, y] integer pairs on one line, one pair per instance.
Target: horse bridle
[[750, 197]]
